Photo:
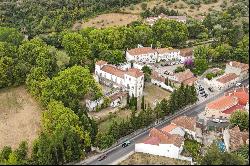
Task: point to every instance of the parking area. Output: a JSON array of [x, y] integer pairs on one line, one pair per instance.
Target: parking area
[[203, 90], [162, 67]]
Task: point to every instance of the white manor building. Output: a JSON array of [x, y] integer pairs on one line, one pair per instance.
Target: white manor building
[[151, 55], [131, 80]]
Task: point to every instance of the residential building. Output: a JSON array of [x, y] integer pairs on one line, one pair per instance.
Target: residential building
[[142, 54], [220, 110], [185, 54], [151, 55], [234, 138], [159, 80], [186, 77], [240, 69], [190, 126], [131, 80], [224, 81], [161, 143]]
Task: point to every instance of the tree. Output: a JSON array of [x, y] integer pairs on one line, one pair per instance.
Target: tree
[[170, 32], [77, 48], [104, 140], [201, 65], [5, 153], [69, 86], [10, 35], [241, 53], [147, 72], [112, 56], [214, 156], [240, 118], [143, 103]]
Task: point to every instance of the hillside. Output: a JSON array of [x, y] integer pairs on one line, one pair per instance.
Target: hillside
[[132, 13]]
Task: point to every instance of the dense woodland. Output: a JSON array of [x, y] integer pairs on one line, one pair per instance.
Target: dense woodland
[[55, 64]]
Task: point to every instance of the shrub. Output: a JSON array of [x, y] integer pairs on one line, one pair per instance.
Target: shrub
[[144, 6]]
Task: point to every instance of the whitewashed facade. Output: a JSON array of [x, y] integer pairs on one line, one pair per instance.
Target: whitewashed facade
[[131, 80]]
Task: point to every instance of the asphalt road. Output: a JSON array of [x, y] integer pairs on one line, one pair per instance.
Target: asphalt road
[[117, 152]]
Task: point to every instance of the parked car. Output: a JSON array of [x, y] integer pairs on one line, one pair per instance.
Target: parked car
[[102, 157], [210, 89], [238, 84], [202, 92], [201, 89], [204, 95], [126, 143]]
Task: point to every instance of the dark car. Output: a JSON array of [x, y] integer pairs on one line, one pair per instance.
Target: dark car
[[102, 157], [125, 144], [210, 89], [202, 92]]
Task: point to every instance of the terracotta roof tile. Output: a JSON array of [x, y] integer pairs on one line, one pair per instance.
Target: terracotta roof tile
[[190, 81], [113, 70], [241, 93], [166, 138], [233, 109], [101, 62], [169, 128], [152, 140], [242, 66], [223, 103], [182, 76], [185, 122], [227, 77], [142, 50], [166, 50], [237, 138], [135, 72], [155, 75]]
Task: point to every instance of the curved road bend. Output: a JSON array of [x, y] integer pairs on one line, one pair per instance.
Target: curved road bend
[[117, 152]]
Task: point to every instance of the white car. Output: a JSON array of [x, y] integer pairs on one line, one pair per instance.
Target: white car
[[238, 84]]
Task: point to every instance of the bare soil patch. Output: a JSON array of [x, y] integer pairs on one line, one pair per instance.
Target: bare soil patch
[[154, 93], [20, 117], [107, 20], [147, 159]]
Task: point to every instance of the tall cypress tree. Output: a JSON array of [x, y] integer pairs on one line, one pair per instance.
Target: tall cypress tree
[[143, 103]]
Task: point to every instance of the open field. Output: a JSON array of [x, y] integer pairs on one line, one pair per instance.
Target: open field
[[179, 6], [147, 159], [20, 117], [108, 20], [153, 93], [132, 13]]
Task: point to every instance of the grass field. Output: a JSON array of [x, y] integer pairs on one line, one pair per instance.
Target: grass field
[[154, 93], [19, 117], [147, 159]]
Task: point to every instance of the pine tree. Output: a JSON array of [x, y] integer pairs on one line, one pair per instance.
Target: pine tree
[[166, 81], [128, 100]]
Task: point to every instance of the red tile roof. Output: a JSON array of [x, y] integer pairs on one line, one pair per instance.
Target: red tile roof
[[190, 81], [155, 75], [169, 128], [166, 138], [237, 138], [223, 103], [242, 66], [152, 141], [185, 122], [135, 72], [185, 75], [233, 109], [166, 50], [113, 70], [142, 50], [227, 77], [241, 93], [101, 62]]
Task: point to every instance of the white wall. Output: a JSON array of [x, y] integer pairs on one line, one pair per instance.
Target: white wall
[[161, 84], [167, 150], [226, 137]]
